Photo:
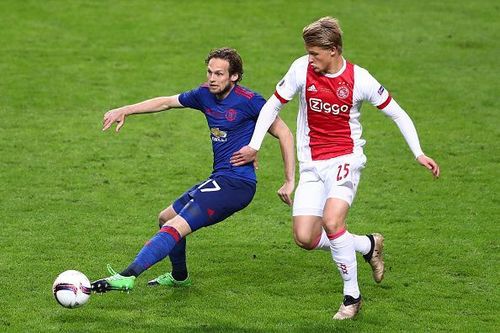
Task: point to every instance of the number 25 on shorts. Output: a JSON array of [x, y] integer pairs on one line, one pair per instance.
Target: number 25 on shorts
[[343, 171]]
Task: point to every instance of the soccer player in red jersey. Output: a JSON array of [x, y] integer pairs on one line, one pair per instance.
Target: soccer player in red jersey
[[330, 150]]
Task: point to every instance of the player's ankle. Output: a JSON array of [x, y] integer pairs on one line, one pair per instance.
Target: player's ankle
[[180, 275]]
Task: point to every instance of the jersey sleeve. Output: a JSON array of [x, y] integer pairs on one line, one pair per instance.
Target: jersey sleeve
[[373, 91], [378, 96], [256, 104], [289, 85], [192, 99], [405, 125]]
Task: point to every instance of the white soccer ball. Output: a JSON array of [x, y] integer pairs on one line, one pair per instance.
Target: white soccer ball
[[71, 289]]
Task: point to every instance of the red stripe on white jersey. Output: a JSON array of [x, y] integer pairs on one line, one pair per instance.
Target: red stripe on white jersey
[[329, 101], [282, 100], [387, 101]]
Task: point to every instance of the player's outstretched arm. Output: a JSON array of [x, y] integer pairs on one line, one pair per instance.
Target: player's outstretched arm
[[151, 105], [281, 131], [407, 128]]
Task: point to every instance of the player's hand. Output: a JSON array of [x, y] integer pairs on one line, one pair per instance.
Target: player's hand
[[429, 163], [114, 116], [243, 156], [285, 192]]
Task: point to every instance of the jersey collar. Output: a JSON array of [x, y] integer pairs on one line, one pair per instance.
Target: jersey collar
[[342, 69]]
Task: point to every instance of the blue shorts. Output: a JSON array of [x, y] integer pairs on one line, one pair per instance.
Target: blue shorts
[[214, 200]]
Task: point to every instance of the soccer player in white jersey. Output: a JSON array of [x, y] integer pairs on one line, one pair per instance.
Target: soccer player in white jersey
[[330, 150]]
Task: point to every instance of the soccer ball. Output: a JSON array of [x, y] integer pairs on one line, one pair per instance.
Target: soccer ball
[[71, 289]]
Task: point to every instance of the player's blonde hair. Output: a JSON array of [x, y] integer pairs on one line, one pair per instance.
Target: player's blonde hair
[[324, 33]]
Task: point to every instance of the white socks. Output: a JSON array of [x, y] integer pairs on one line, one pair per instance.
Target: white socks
[[362, 244], [324, 242], [344, 256]]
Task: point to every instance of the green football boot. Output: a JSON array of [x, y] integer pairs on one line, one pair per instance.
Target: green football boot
[[114, 282], [168, 280]]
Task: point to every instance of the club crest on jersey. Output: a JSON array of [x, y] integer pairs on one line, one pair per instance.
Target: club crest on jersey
[[342, 92], [217, 135], [312, 88], [231, 114]]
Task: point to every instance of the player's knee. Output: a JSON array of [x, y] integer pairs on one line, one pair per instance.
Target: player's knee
[[334, 224], [162, 219], [305, 246], [180, 224], [166, 215], [304, 241], [161, 222]]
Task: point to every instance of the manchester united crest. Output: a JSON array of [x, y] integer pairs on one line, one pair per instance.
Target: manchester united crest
[[342, 92], [231, 114]]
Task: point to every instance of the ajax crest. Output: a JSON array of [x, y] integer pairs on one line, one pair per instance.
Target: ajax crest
[[342, 92]]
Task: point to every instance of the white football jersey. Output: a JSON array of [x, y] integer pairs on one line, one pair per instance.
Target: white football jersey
[[328, 120]]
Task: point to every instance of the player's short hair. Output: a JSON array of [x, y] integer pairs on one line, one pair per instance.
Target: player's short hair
[[232, 57], [324, 33]]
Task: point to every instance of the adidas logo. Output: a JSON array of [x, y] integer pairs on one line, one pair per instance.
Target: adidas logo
[[312, 88]]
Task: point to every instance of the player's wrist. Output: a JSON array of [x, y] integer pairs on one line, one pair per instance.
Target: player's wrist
[[127, 111], [419, 155], [254, 146]]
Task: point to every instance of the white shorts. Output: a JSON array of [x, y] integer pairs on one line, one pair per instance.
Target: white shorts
[[334, 178]]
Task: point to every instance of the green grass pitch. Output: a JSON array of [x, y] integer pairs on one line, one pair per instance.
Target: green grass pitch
[[73, 197]]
